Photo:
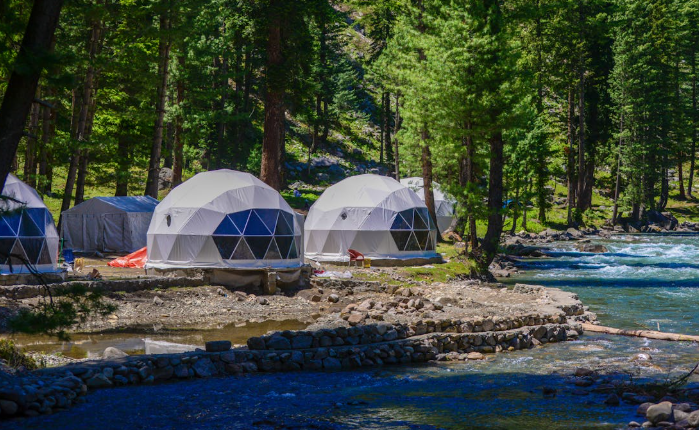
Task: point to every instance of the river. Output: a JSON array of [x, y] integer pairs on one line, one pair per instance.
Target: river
[[642, 282]]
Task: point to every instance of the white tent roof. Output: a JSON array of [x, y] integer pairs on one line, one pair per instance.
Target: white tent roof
[[444, 204], [224, 219], [372, 214], [26, 229]]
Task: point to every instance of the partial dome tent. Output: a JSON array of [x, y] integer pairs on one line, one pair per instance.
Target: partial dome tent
[[374, 215], [224, 219], [27, 230], [444, 205]]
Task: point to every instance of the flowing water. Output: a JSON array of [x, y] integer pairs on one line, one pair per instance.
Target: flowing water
[[643, 282]]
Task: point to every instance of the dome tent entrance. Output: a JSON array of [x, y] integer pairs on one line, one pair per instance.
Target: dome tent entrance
[[374, 215], [26, 230], [108, 224], [224, 219], [443, 204]]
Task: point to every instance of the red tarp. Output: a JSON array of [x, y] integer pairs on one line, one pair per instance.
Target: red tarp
[[135, 259]]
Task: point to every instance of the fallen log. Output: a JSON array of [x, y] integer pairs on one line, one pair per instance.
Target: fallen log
[[648, 334]]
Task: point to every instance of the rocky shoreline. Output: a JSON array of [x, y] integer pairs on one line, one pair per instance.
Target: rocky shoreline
[[397, 340]]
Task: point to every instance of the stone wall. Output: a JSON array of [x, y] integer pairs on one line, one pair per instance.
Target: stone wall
[[53, 389], [17, 292]]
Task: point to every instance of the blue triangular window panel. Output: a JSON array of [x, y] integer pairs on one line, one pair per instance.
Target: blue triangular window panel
[[240, 219], [283, 228], [256, 227], [226, 245], [227, 228], [269, 217], [28, 228], [399, 223], [13, 221], [408, 217], [258, 245], [39, 217], [5, 230], [419, 223]]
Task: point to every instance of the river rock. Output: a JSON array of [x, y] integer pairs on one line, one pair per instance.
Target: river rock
[[593, 248], [8, 407], [643, 408], [278, 342], [475, 356], [256, 343], [111, 353], [331, 363], [660, 412], [679, 415], [204, 368], [333, 298], [612, 400], [99, 381], [218, 345], [693, 419], [302, 342], [581, 372]]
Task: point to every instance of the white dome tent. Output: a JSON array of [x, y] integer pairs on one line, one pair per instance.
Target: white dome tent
[[443, 204], [374, 215], [26, 230], [224, 219]]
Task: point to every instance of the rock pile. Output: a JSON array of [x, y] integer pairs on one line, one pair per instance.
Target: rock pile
[[668, 414]]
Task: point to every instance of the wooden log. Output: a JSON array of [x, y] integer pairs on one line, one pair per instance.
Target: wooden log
[[648, 334]]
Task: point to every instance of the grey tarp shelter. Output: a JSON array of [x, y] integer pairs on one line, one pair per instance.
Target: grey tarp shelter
[[108, 224]]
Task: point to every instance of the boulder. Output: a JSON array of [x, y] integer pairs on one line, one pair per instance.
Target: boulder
[[475, 356], [660, 412], [218, 345], [278, 342], [111, 352], [99, 381], [595, 248], [693, 419], [256, 343], [331, 363], [204, 368], [8, 407]]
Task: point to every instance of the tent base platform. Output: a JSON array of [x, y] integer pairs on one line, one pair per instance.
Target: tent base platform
[[388, 262], [267, 278]]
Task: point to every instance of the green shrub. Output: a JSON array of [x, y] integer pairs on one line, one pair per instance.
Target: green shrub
[[14, 356]]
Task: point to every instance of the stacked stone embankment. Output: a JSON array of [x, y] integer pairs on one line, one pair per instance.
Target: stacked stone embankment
[[338, 348]]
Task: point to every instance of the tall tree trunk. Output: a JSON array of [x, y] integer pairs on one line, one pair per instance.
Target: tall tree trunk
[[23, 81], [388, 143], [581, 145], [541, 167], [178, 144], [381, 126], [615, 212], [491, 239], [427, 183], [124, 164], [470, 184], [680, 178], [83, 120], [694, 121], [221, 85], [45, 154], [571, 159], [395, 137], [270, 171], [163, 70], [83, 160], [30, 152]]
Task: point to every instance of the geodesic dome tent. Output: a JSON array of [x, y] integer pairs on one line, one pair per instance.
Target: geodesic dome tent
[[372, 214], [443, 204], [26, 230], [224, 219], [108, 224]]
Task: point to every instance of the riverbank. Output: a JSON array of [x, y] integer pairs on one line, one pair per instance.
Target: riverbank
[[387, 327]]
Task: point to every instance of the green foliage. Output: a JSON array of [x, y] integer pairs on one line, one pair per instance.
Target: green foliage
[[54, 317], [14, 356]]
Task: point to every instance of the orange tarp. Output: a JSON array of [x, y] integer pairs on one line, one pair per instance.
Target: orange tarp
[[135, 259]]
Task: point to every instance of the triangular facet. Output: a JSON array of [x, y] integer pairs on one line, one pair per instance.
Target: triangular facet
[[242, 252], [273, 252], [412, 243], [39, 218], [268, 217], [45, 256], [28, 227], [240, 219], [419, 223], [226, 245], [258, 245], [6, 248], [227, 228], [283, 228], [13, 222], [256, 227], [284, 243], [399, 223], [17, 251], [32, 248]]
